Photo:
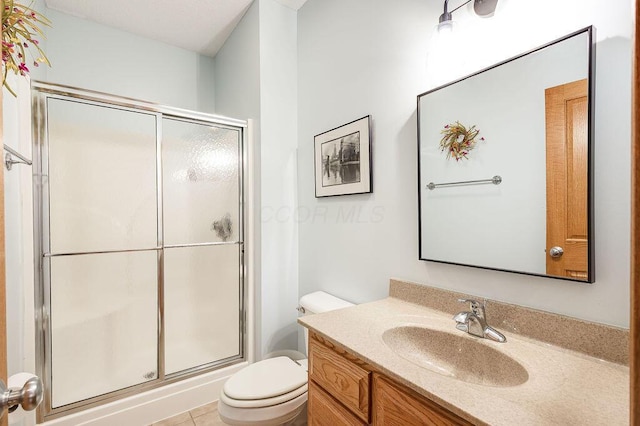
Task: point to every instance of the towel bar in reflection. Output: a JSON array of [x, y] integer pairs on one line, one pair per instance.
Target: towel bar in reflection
[[9, 161], [496, 180]]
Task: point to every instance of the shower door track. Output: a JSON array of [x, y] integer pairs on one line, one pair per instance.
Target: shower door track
[[40, 93]]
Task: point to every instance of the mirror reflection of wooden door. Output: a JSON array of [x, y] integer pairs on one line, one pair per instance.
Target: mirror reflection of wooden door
[[567, 116]]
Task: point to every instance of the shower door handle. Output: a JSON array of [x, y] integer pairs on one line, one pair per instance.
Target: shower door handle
[[29, 396]]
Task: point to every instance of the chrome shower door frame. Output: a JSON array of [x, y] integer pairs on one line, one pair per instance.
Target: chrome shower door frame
[[41, 92]]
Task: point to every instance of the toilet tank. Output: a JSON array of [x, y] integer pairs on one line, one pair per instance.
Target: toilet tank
[[317, 303]]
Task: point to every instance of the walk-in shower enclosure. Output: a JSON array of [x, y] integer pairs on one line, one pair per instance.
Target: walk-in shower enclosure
[[139, 245]]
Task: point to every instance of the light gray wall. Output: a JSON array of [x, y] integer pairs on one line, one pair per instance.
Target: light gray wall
[[237, 69], [256, 78], [237, 87], [370, 57], [278, 100], [19, 231], [91, 56]]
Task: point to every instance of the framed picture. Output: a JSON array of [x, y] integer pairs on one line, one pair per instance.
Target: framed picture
[[343, 159]]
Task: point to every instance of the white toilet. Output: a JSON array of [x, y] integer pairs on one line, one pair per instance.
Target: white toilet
[[274, 391]]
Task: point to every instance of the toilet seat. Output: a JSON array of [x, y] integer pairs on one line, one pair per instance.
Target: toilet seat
[[265, 383], [265, 402]]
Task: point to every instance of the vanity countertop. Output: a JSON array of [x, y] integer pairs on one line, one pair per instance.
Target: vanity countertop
[[563, 387]]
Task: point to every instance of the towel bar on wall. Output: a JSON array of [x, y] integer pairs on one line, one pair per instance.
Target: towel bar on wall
[[496, 180], [8, 158]]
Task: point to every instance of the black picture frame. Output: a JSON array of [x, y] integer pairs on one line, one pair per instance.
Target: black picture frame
[[342, 159]]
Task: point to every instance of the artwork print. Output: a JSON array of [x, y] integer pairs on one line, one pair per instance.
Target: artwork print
[[343, 159]]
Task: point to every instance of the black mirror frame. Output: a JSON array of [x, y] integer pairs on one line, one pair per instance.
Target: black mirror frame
[[590, 31]]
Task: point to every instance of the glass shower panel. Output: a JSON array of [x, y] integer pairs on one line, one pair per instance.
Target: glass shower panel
[[202, 305], [104, 326], [139, 246], [102, 178], [201, 186]]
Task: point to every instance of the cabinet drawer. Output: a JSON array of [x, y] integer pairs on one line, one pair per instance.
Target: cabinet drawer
[[397, 406], [341, 378], [326, 411]]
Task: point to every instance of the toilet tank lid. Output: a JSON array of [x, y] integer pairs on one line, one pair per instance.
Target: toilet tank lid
[[319, 301]]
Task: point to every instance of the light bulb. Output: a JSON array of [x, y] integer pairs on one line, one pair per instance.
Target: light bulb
[[445, 27]]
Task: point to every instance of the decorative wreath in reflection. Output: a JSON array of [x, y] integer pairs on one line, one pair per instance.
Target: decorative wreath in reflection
[[457, 141]]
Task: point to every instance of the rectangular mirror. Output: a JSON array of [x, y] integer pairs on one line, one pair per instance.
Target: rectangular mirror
[[504, 165]]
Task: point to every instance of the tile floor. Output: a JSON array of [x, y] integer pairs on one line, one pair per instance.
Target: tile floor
[[206, 415]]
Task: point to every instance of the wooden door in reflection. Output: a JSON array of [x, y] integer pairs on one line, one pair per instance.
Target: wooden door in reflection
[[567, 116]]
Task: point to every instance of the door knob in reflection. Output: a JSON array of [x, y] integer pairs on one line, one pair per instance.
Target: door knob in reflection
[[556, 251]]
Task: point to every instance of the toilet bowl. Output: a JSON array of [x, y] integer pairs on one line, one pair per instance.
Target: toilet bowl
[[274, 391], [269, 392]]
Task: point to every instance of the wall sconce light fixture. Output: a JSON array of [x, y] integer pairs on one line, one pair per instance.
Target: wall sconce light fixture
[[484, 8]]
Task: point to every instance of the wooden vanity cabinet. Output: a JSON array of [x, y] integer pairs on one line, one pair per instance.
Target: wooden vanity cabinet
[[341, 377], [344, 390], [395, 405], [324, 410]]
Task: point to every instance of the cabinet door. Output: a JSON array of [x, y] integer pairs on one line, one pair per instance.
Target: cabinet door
[[341, 378], [396, 406], [326, 411]]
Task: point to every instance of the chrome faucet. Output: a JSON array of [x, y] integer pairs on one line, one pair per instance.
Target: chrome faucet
[[474, 322]]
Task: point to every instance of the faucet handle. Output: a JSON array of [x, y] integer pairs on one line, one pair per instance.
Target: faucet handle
[[476, 307], [461, 317]]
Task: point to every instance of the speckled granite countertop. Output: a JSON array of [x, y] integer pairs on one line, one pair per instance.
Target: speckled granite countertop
[[563, 387]]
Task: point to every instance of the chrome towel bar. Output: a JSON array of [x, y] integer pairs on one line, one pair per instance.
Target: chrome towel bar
[[8, 158], [496, 180]]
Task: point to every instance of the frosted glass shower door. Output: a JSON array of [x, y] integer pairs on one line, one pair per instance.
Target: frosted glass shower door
[[100, 248], [102, 178], [104, 323], [139, 246], [202, 305], [202, 231]]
